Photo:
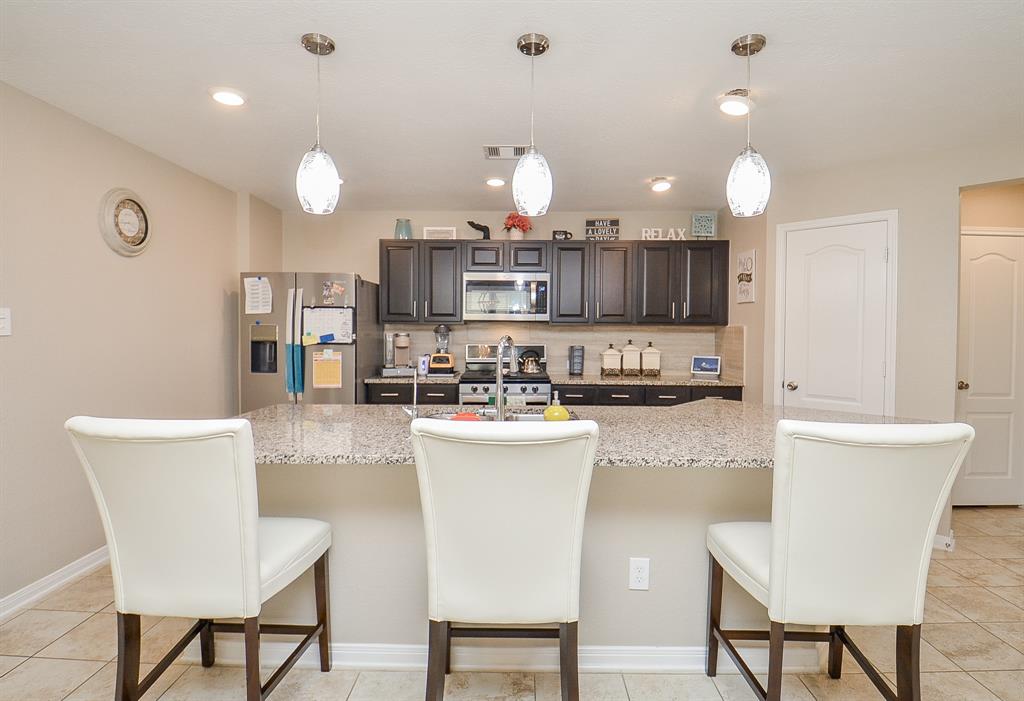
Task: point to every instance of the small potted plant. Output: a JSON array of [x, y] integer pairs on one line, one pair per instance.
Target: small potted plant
[[517, 225]]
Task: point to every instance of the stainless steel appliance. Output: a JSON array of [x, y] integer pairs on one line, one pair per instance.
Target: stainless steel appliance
[[477, 383], [505, 296], [441, 361], [335, 312]]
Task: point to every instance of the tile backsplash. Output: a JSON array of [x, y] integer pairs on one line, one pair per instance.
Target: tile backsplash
[[677, 344]]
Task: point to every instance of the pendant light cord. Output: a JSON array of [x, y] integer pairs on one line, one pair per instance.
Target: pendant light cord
[[318, 93], [532, 58], [748, 98]]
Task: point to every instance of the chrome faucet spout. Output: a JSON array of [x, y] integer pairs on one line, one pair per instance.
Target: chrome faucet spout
[[505, 344]]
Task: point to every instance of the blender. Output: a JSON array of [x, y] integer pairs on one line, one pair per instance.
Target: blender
[[441, 361]]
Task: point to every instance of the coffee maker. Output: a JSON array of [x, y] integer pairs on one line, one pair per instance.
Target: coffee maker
[[441, 361]]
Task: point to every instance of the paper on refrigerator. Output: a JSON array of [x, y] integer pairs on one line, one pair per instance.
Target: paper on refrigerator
[[259, 297]]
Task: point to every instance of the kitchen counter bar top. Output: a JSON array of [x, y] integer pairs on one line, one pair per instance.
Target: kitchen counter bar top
[[407, 380], [711, 433]]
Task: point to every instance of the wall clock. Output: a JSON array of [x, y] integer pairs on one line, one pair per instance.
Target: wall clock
[[124, 222]]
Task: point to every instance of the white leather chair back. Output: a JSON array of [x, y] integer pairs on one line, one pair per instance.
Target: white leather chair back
[[503, 508], [855, 508], [178, 505]]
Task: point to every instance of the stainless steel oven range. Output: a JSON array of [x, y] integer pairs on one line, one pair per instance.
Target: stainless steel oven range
[[526, 378]]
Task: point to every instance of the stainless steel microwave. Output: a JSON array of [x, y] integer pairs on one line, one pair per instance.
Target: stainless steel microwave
[[506, 296]]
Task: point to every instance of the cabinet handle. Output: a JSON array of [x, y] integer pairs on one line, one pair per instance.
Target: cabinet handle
[[598, 311], [414, 309], [684, 310], [389, 394], [620, 396], [574, 396], [435, 394], [667, 396], [673, 310], [586, 309]]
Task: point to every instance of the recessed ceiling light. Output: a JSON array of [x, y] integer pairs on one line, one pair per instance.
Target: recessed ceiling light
[[227, 96], [735, 103], [495, 182], [660, 184]]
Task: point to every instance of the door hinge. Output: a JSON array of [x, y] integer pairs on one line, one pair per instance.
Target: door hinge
[[884, 368]]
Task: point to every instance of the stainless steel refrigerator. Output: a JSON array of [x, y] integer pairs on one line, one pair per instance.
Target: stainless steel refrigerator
[[306, 338]]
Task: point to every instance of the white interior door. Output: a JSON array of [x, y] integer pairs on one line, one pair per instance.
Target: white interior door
[[836, 316], [990, 366]]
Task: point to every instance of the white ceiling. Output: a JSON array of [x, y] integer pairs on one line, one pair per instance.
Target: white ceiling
[[626, 92]]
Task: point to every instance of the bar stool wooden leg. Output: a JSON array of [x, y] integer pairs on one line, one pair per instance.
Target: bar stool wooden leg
[[776, 640], [436, 653], [448, 652], [206, 650], [129, 649], [569, 666], [835, 653], [714, 613], [321, 579], [908, 663], [253, 691]]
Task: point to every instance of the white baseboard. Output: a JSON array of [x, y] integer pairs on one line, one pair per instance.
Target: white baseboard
[[539, 658], [40, 589]]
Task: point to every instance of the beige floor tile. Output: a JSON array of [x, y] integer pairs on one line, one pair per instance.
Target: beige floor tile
[[9, 662], [33, 630], [961, 552], [991, 546], [593, 687], [92, 593], [161, 637], [671, 687], [852, 687], [314, 685], [972, 647], [1014, 565], [733, 687], [1008, 686], [941, 576], [936, 611], [975, 569], [1012, 633], [879, 644], [1015, 595], [951, 686], [217, 683], [45, 680], [1004, 526], [961, 528], [388, 686], [979, 604], [95, 639], [100, 686], [496, 686]]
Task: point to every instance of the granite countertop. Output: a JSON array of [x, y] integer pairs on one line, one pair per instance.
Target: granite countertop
[[683, 379], [711, 433], [428, 380]]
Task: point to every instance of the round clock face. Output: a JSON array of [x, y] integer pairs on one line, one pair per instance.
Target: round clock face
[[130, 222], [124, 223]]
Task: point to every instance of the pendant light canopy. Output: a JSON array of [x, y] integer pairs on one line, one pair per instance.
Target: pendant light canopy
[[531, 182], [750, 183], [316, 182]]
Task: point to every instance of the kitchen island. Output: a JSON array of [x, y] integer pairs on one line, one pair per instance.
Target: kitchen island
[[663, 474]]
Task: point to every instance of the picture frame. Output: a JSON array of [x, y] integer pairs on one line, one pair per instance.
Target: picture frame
[[704, 225], [439, 233], [706, 366], [746, 277]]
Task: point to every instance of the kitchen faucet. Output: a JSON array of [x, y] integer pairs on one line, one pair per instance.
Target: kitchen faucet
[[505, 343]]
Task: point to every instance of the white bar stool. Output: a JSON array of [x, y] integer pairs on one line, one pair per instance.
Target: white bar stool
[[855, 508], [503, 509], [179, 508]]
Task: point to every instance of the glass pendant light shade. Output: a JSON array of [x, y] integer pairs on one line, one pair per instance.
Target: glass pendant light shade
[[532, 184], [317, 183], [749, 185]]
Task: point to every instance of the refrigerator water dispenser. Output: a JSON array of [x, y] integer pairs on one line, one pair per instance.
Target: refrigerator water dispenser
[[263, 348]]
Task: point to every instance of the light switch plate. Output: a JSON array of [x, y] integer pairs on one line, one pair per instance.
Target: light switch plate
[[5, 321]]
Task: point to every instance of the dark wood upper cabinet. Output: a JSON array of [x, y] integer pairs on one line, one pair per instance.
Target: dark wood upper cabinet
[[399, 280], [483, 256], [441, 278], [570, 283], [704, 270], [524, 257], [657, 290], [613, 282]]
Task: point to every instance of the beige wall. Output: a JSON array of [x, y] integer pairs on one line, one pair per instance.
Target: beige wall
[[265, 237], [1000, 205], [94, 332], [745, 234], [925, 189]]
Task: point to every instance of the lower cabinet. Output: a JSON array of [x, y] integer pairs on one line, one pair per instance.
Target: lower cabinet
[[611, 395], [379, 393], [641, 395], [576, 394], [666, 396], [735, 393]]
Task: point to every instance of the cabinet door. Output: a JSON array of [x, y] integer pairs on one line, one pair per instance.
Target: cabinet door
[[660, 395], [627, 395], [576, 395], [438, 394], [570, 283], [482, 256], [613, 282], [387, 393], [734, 393], [399, 280], [441, 279], [705, 282], [526, 257], [657, 287]]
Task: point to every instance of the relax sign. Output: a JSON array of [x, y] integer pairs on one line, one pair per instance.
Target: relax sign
[[658, 234]]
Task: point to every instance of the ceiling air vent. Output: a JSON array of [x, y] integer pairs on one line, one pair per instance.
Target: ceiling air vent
[[504, 153]]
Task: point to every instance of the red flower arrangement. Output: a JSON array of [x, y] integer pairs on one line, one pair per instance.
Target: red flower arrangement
[[518, 221]]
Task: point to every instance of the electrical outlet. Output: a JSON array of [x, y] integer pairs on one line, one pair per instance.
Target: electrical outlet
[[640, 573], [5, 321]]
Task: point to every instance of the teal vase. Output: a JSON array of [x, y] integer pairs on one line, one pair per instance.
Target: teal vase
[[403, 229]]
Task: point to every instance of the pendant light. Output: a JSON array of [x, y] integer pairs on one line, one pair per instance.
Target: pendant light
[[316, 182], [750, 184], [531, 181]]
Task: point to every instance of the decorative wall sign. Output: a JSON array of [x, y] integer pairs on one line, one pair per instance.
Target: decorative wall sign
[[603, 229], [745, 272], [659, 234], [439, 232], [124, 222], [704, 225]]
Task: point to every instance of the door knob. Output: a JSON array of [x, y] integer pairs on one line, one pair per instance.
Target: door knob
[[963, 385], [791, 386]]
